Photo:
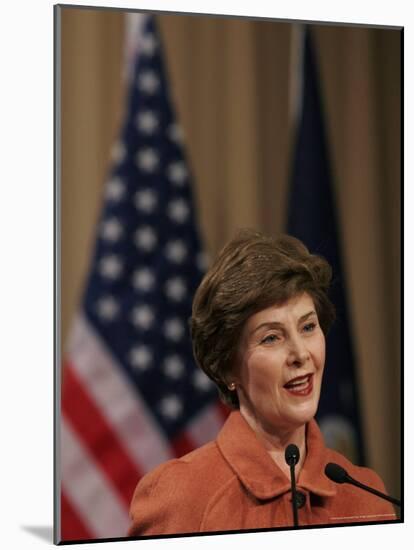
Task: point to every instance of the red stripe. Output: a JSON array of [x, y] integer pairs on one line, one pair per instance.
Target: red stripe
[[71, 525], [223, 410], [98, 436], [182, 444]]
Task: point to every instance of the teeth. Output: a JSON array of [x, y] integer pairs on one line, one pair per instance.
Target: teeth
[[298, 383], [298, 386]]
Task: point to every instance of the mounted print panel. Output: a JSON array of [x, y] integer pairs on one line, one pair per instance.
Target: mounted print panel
[[230, 264]]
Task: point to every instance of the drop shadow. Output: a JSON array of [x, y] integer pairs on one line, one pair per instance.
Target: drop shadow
[[44, 532]]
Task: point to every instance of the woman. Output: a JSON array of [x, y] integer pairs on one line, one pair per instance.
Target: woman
[[260, 318]]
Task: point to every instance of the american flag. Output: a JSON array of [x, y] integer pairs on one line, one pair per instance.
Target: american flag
[[132, 396]]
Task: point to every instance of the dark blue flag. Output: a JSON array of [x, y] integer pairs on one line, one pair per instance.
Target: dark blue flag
[[312, 217]]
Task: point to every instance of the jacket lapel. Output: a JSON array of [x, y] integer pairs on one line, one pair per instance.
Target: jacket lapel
[[256, 470]]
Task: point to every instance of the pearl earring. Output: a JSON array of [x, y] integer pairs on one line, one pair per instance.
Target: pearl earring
[[232, 386]]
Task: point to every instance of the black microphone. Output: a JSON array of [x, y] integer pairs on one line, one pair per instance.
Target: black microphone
[[340, 475], [292, 458]]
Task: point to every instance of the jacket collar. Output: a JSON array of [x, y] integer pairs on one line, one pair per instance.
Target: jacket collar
[[258, 472]]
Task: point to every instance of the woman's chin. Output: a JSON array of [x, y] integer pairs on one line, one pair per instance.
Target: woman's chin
[[302, 415]]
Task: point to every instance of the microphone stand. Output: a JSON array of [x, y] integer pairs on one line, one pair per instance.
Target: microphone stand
[[292, 458], [294, 500], [373, 491], [336, 473]]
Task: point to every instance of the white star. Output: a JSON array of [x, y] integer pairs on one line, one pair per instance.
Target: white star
[[145, 238], [171, 407], [145, 200], [140, 357], [148, 45], [201, 381], [176, 251], [175, 133], [178, 210], [118, 152], [175, 289], [107, 308], [110, 267], [143, 279], [115, 189], [173, 366], [147, 159], [177, 173], [148, 82], [147, 122], [111, 230], [202, 261], [174, 329], [142, 317]]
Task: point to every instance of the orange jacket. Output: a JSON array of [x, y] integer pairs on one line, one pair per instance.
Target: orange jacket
[[233, 484]]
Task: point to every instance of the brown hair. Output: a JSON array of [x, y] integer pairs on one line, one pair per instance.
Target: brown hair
[[252, 272]]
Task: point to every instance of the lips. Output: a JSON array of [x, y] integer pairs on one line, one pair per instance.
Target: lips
[[300, 386]]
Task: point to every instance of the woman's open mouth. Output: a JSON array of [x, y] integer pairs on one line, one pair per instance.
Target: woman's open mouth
[[300, 386]]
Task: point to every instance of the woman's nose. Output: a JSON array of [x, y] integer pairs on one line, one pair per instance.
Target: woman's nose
[[298, 352]]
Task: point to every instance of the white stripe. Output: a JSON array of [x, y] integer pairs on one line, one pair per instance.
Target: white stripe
[[134, 25], [206, 425], [88, 490], [118, 401]]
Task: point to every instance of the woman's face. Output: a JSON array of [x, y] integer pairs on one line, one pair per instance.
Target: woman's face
[[280, 367]]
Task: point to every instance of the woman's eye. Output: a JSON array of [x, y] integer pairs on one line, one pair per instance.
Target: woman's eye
[[269, 339], [309, 327]]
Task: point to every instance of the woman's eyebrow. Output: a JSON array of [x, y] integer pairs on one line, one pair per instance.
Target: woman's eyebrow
[[307, 315], [267, 324], [277, 324]]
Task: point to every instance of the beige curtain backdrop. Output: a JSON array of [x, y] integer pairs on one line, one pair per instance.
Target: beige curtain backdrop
[[232, 83]]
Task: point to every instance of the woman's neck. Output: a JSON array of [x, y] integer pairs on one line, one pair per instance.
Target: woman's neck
[[278, 454], [275, 443]]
